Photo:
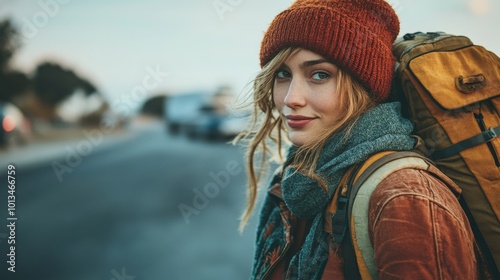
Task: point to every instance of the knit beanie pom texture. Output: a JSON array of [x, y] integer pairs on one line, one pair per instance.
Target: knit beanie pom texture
[[356, 35]]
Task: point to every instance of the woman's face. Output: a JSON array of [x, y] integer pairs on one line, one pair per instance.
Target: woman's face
[[306, 96]]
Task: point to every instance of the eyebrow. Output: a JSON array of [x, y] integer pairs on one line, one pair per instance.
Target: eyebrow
[[310, 63]]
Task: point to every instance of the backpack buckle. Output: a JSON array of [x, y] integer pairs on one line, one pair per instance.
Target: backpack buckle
[[490, 134], [470, 84]]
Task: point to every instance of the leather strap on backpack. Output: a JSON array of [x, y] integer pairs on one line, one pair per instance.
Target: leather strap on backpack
[[358, 264], [483, 137], [336, 223]]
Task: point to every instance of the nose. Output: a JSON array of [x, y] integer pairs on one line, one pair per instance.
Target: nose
[[294, 97]]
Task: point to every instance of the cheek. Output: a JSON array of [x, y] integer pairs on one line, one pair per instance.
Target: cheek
[[278, 97], [328, 104]]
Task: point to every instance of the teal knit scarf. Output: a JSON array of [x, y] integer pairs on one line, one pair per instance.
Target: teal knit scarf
[[381, 128]]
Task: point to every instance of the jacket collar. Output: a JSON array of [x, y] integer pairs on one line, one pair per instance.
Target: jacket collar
[[276, 191]]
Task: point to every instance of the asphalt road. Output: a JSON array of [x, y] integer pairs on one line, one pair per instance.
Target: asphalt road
[[143, 205]]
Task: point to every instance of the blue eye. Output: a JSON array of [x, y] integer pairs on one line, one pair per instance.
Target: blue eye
[[320, 76], [282, 74]]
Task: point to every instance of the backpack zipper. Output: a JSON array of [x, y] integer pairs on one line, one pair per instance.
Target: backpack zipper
[[479, 118]]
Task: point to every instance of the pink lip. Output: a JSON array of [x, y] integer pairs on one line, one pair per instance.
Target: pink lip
[[298, 121]]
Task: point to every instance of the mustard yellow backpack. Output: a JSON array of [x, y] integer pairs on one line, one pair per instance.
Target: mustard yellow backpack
[[450, 89]]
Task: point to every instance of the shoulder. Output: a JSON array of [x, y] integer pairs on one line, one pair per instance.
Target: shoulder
[[414, 188], [415, 182], [416, 223]]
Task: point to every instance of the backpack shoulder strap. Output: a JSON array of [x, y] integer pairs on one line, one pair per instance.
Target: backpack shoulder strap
[[336, 212], [360, 195], [347, 213]]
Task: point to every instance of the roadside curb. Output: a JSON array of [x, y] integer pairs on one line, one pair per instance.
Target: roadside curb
[[50, 149]]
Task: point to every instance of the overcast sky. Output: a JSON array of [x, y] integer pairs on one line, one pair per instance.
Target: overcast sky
[[200, 43]]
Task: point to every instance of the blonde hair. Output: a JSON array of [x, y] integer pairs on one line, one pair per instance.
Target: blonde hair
[[266, 134]]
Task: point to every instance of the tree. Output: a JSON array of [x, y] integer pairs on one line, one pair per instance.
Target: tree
[[9, 43], [11, 82], [154, 106], [53, 83], [87, 86]]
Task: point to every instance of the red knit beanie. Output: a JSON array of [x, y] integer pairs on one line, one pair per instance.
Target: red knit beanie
[[356, 35]]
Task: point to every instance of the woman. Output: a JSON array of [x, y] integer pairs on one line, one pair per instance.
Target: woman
[[326, 74]]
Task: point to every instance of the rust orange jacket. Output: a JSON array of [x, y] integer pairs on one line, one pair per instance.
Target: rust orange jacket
[[416, 225]]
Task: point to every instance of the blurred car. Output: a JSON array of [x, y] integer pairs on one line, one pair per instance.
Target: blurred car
[[203, 114], [15, 128], [182, 109], [233, 125], [213, 124]]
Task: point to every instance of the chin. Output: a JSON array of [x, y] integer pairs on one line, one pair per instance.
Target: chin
[[298, 139]]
